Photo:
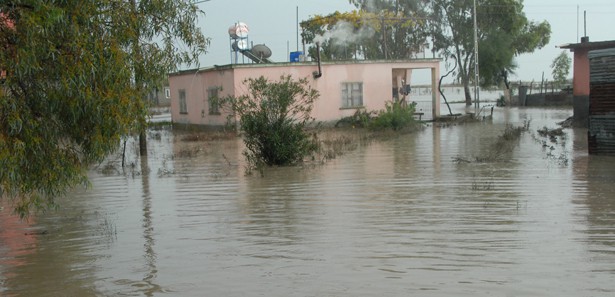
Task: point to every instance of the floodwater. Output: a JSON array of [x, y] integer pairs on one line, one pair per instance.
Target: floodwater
[[396, 217]]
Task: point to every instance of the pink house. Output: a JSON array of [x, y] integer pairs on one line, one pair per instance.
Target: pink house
[[344, 87]]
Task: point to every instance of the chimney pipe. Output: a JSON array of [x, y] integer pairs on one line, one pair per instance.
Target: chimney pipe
[[319, 73], [585, 38]]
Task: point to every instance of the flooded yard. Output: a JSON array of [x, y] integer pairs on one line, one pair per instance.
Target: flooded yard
[[393, 217]]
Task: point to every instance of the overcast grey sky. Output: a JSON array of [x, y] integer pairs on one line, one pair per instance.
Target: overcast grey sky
[[273, 22]]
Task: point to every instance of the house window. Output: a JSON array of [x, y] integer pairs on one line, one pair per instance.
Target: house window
[[167, 93], [352, 94], [183, 108], [213, 100]]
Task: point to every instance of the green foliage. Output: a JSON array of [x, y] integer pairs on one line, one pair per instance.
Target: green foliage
[[561, 68], [503, 30], [360, 119], [501, 101], [273, 117], [70, 92], [377, 30], [159, 35], [396, 116], [495, 57]]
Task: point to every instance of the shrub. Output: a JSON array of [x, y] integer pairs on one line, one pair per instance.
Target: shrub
[[273, 117], [395, 116], [360, 119]]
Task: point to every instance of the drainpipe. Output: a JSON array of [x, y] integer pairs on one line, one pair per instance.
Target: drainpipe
[[318, 73]]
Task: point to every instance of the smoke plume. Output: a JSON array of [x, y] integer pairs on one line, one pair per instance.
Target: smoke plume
[[344, 33]]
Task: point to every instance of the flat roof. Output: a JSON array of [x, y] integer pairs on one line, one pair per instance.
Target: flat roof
[[308, 63], [594, 45]]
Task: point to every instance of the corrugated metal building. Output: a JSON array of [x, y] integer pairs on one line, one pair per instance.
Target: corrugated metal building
[[601, 132], [580, 80]]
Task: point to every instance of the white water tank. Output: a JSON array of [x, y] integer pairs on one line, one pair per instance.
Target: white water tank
[[240, 45], [239, 30]]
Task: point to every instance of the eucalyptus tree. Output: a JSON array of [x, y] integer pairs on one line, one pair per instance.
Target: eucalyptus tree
[[560, 68], [503, 32], [340, 36], [74, 77], [403, 26]]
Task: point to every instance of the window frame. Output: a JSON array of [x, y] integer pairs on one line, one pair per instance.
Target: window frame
[[213, 107], [348, 95], [183, 106]]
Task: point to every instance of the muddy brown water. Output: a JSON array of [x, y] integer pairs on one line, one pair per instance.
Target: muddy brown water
[[393, 217]]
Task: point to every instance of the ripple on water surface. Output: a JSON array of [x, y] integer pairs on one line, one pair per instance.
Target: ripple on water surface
[[394, 217]]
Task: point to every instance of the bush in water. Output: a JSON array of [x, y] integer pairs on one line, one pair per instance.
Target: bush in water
[[273, 117], [395, 116]]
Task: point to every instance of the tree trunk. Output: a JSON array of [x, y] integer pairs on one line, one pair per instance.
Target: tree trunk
[[136, 48], [466, 90], [465, 76], [142, 142]]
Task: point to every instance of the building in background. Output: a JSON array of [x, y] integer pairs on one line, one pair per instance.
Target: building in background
[[601, 130], [160, 97], [580, 78]]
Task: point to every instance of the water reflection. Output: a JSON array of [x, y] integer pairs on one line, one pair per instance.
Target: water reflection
[[40, 260], [17, 240], [149, 278], [594, 179], [394, 217]]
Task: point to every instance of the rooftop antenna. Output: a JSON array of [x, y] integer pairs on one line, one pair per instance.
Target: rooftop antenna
[[585, 38], [585, 23]]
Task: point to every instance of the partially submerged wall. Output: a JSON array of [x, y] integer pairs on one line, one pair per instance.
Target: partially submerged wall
[[549, 99], [601, 133]]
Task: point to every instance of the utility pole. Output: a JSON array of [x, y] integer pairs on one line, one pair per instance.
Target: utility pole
[[476, 76], [577, 23], [384, 39]]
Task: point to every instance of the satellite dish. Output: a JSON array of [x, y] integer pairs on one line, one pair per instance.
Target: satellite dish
[[240, 45], [261, 51], [238, 31]]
